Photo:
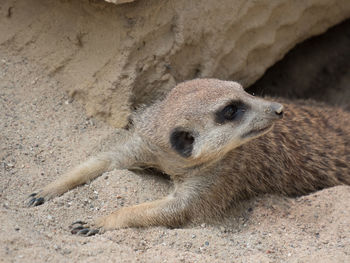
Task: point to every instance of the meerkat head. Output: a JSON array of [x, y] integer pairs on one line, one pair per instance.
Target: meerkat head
[[204, 119]]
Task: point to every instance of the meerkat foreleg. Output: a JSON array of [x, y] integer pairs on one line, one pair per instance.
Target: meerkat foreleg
[[170, 211], [124, 156], [81, 174], [178, 208]]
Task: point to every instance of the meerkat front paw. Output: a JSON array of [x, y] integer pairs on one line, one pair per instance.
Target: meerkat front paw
[[35, 199], [40, 197], [47, 193], [98, 227], [81, 228]]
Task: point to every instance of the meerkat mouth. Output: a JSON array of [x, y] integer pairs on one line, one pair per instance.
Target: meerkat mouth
[[257, 132]]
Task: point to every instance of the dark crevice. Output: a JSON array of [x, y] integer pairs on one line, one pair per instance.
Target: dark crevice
[[318, 68]]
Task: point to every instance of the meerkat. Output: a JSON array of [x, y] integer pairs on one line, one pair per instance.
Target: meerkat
[[219, 145]]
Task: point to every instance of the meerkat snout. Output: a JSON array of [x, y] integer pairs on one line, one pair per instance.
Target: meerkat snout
[[277, 109]]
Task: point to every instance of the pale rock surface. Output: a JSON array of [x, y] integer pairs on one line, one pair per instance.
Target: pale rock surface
[[113, 58]]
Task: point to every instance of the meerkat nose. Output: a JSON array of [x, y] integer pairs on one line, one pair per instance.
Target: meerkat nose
[[277, 109]]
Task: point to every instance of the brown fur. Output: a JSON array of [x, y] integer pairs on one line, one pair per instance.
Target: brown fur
[[306, 151]]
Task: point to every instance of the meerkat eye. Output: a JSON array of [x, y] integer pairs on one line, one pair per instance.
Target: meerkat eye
[[230, 112]]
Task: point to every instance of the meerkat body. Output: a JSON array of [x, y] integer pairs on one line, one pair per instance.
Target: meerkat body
[[219, 145]]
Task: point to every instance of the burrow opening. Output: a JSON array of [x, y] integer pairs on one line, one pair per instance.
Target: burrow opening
[[317, 69]]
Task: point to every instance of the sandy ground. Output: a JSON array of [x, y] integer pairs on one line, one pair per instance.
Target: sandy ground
[[44, 133]]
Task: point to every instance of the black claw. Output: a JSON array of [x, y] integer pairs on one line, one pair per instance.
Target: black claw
[[39, 201], [31, 201], [77, 223], [36, 201], [83, 232], [87, 232], [75, 230], [93, 232], [33, 194]]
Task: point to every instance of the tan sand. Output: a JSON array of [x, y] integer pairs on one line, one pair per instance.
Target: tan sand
[[44, 133]]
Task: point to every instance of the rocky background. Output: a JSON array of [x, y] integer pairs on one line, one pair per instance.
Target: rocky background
[[113, 58]]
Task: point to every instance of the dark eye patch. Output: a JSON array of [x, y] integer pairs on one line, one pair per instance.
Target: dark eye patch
[[231, 112], [182, 142]]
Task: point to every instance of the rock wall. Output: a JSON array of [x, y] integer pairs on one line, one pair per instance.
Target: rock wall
[[115, 57]]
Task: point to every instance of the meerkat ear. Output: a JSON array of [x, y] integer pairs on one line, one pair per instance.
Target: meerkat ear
[[182, 142]]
